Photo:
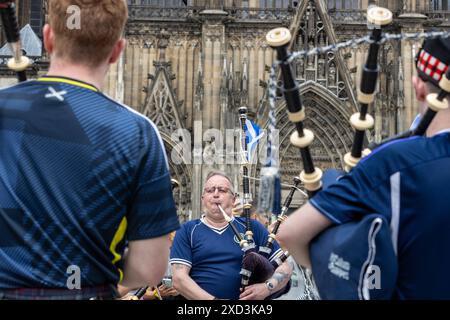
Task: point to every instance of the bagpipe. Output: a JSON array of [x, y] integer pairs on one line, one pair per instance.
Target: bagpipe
[[344, 257], [18, 63], [246, 184], [138, 295], [256, 266], [266, 250]]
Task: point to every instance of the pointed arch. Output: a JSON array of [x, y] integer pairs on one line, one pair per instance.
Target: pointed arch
[[183, 174], [328, 118]]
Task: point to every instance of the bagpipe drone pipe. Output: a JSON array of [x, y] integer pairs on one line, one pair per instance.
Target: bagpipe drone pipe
[[256, 266], [18, 63]]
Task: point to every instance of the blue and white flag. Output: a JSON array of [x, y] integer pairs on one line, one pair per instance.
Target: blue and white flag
[[252, 136]]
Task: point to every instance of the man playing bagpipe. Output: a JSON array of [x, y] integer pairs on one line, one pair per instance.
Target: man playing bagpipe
[[80, 174], [206, 256], [404, 182]]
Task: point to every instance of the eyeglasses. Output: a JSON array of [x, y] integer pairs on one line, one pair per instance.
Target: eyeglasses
[[221, 190]]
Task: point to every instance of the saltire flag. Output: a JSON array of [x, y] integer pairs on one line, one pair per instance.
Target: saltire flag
[[253, 134]]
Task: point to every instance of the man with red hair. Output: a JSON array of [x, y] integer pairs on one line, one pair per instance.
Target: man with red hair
[[81, 175]]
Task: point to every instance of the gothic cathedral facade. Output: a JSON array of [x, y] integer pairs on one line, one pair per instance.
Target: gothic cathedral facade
[[190, 65]]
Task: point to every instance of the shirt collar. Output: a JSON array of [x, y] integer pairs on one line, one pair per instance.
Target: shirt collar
[[71, 81], [205, 222], [443, 131]]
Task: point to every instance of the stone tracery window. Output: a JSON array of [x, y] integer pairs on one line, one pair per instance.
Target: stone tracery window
[[321, 69], [277, 3], [160, 3], [439, 5]]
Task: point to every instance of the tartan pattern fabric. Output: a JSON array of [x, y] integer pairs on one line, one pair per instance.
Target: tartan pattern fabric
[[106, 292], [431, 66]]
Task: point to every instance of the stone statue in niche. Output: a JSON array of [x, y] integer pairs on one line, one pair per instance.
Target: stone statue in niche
[[332, 75], [321, 68], [211, 154], [310, 59]]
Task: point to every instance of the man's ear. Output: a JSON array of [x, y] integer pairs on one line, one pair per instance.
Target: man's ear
[[49, 39], [117, 51], [420, 88]]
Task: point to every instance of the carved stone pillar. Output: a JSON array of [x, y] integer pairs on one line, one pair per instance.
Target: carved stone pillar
[[198, 145], [213, 38], [197, 178], [253, 3], [212, 111], [120, 86]]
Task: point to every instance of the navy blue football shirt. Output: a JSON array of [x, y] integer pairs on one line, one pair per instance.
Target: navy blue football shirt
[[408, 182], [79, 176], [214, 255]]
